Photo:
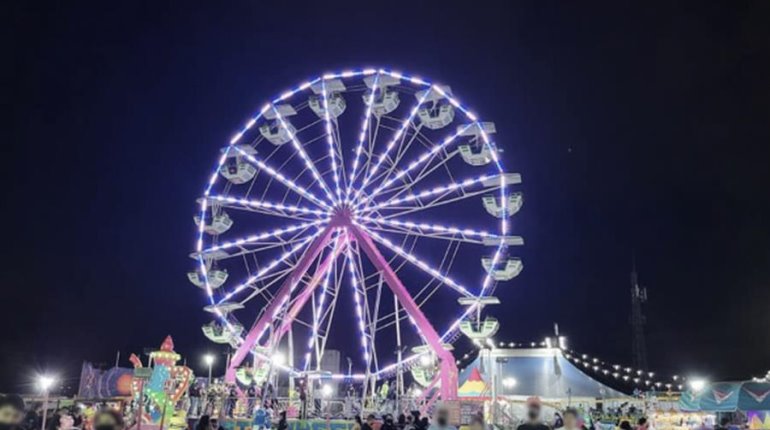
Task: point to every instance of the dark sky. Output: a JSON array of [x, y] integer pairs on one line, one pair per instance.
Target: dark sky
[[641, 128]]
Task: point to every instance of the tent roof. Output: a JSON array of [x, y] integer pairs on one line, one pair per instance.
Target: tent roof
[[727, 397], [540, 372]]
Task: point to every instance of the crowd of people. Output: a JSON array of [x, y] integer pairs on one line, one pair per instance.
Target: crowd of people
[[15, 415]]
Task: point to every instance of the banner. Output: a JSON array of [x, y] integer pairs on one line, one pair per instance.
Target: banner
[[103, 384]]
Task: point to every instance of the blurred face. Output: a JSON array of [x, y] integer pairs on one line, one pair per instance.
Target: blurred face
[[442, 417], [105, 422], [10, 415], [66, 422], [533, 412], [570, 421]]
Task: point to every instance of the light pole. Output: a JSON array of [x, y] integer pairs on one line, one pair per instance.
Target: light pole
[[45, 383], [209, 360]]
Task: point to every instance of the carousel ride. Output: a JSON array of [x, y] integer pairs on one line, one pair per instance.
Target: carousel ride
[[368, 199]]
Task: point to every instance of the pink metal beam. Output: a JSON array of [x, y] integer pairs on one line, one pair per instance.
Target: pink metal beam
[[448, 371], [300, 269], [304, 296]]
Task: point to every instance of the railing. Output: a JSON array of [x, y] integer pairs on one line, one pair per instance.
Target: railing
[[324, 407]]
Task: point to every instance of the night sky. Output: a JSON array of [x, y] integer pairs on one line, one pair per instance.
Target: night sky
[[637, 129]]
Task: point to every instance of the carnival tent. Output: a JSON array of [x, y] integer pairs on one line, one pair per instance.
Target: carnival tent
[[728, 397], [543, 372]]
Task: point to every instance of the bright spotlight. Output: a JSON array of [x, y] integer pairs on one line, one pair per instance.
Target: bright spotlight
[[326, 390], [509, 382], [208, 359], [425, 360], [697, 384], [45, 382], [279, 359]]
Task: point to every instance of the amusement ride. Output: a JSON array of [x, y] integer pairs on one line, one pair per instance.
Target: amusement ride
[[368, 198]]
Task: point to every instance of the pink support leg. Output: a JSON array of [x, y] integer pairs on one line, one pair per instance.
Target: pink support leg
[[304, 296], [283, 294], [448, 368]]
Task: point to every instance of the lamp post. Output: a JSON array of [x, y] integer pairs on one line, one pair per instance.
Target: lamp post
[[509, 382], [697, 384], [45, 383], [209, 360]]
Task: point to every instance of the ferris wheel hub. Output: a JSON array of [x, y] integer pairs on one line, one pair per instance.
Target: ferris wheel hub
[[342, 216]]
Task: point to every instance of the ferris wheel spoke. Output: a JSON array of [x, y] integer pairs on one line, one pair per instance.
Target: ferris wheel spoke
[[262, 247], [266, 282], [270, 266], [266, 207], [409, 181], [330, 141], [358, 296], [450, 192], [341, 157], [303, 154], [395, 162], [419, 161], [432, 231], [361, 138], [417, 262], [278, 176], [266, 237], [328, 315], [400, 134]]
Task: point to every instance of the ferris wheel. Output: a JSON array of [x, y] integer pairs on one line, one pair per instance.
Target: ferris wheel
[[364, 210]]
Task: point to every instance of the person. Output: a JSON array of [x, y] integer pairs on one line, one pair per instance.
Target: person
[[204, 423], [477, 422], [31, 419], [401, 423], [11, 412], [108, 419], [387, 423], [558, 421], [641, 424], [424, 423], [215, 424], [282, 423], [442, 421], [251, 394], [61, 420], [195, 399], [625, 425], [357, 424], [533, 421], [303, 398], [384, 389], [261, 419], [409, 425], [570, 420], [369, 424], [232, 397]]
